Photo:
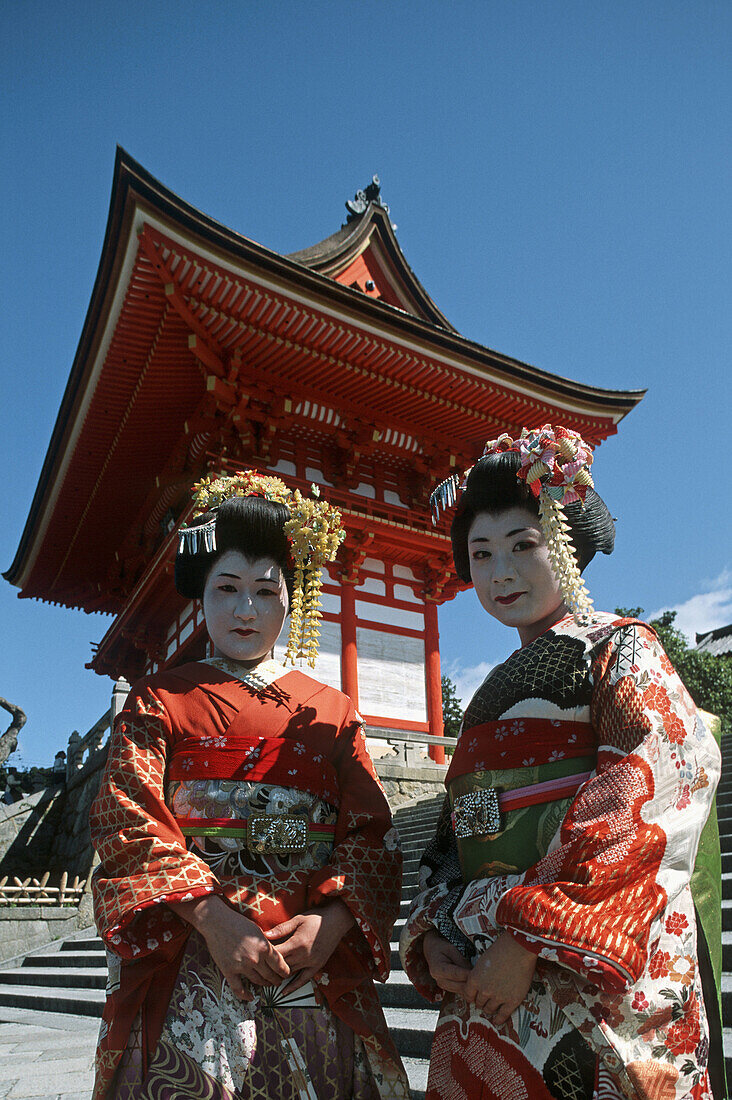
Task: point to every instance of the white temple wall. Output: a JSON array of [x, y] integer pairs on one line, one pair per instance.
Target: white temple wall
[[391, 682]]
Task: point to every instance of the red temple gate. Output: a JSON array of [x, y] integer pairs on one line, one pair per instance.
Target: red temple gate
[[204, 351]]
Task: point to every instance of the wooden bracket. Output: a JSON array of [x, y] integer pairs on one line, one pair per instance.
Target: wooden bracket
[[352, 555]]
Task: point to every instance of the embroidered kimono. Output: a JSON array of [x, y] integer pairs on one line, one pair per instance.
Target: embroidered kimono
[[257, 787], [577, 794]]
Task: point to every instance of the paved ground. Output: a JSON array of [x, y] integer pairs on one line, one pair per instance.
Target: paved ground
[[46, 1056]]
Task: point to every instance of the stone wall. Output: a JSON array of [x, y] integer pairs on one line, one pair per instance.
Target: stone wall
[[72, 847], [403, 784], [27, 832], [22, 929]]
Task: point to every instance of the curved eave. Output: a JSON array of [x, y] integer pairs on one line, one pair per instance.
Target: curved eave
[[133, 190]]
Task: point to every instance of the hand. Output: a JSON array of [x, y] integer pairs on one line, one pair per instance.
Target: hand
[[307, 941], [500, 978], [446, 965], [237, 945]]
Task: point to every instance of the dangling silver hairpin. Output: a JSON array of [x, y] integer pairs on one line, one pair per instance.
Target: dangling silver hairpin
[[444, 496], [196, 540]]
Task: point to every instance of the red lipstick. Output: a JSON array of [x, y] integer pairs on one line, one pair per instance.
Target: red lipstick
[[508, 599], [243, 633]]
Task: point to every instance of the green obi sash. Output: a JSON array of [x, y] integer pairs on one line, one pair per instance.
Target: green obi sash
[[524, 833]]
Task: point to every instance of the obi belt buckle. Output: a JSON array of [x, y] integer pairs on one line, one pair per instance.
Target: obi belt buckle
[[477, 813], [276, 834]]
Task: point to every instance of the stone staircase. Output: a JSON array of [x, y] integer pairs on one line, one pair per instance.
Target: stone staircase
[[67, 976], [411, 1019]]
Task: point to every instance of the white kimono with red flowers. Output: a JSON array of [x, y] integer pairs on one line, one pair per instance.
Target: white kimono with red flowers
[[616, 1009]]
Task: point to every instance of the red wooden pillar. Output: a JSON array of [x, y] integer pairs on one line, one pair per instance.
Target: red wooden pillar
[[349, 653], [433, 677]]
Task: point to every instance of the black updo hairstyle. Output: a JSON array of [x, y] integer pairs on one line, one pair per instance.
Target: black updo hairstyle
[[493, 486], [252, 525]]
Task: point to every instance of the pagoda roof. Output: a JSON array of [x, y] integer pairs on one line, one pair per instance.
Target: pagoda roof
[[194, 331], [365, 255]]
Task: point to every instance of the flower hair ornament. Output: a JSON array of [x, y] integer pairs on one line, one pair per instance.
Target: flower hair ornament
[[314, 533], [555, 464]]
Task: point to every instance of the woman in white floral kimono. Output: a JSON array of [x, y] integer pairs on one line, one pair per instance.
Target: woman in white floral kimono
[[555, 921]]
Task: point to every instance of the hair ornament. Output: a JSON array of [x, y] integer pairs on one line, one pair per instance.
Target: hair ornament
[[445, 495], [197, 540], [555, 464], [314, 533]]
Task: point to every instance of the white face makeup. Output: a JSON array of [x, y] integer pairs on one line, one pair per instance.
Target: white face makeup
[[244, 604], [512, 573]]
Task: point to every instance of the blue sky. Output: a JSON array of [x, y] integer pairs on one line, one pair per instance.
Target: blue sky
[[559, 175]]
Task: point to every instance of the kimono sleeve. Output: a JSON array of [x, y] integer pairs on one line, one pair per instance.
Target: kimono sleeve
[[144, 859], [365, 871], [627, 846]]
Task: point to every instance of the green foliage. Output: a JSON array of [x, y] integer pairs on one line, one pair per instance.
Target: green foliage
[[452, 712], [707, 678]]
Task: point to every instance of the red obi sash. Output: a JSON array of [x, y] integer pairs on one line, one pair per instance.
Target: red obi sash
[[517, 742], [280, 760]]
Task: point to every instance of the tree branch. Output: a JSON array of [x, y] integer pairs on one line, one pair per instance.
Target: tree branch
[[9, 740]]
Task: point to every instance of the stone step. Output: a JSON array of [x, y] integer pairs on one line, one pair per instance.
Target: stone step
[[413, 830], [86, 1002], [418, 813], [727, 1044], [397, 930], [416, 842], [410, 881], [415, 847], [93, 943], [417, 816], [417, 1070], [78, 977], [412, 1030], [399, 992], [65, 959], [414, 834]]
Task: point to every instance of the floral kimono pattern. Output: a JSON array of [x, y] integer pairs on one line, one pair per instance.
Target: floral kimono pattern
[[199, 757], [597, 887]]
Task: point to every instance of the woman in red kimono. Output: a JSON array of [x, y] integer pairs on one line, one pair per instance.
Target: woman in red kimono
[[250, 874], [555, 920]]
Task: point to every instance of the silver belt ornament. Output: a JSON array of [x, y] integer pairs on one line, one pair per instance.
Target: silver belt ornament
[[276, 834], [477, 813]]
